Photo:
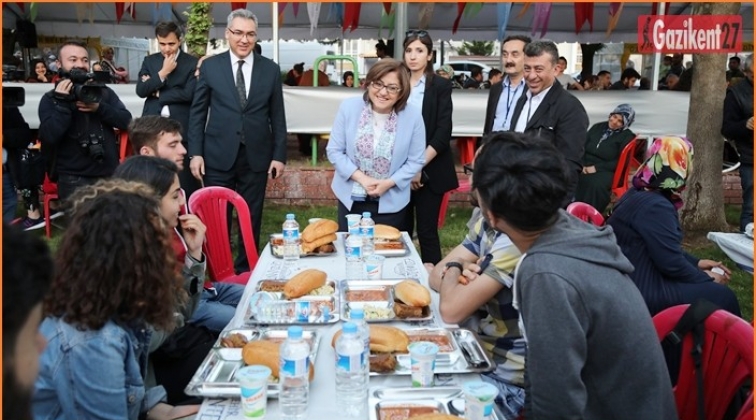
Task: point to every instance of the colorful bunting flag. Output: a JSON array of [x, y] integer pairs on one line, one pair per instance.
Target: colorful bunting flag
[[425, 13], [33, 12], [85, 10], [615, 10], [524, 9], [238, 5], [281, 9], [387, 7], [388, 20], [541, 16], [336, 11], [472, 9], [129, 8], [313, 12], [351, 16], [460, 10], [583, 12], [295, 8], [162, 12], [502, 15]]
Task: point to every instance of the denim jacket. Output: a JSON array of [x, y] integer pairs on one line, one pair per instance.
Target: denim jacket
[[93, 374]]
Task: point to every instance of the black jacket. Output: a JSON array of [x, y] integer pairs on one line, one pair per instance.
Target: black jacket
[[738, 108], [561, 119], [61, 126], [437, 116]]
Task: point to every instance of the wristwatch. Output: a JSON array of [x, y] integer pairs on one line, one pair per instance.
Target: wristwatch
[[451, 264]]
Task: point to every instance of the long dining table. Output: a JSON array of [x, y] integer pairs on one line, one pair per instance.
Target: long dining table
[[322, 399]]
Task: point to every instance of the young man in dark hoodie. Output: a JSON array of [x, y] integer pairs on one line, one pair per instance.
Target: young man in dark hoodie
[[592, 351]]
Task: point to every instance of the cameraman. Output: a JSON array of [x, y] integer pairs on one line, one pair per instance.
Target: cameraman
[[76, 122]]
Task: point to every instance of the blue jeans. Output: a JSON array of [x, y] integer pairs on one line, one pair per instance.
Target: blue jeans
[[746, 183], [216, 310], [511, 398], [10, 198]]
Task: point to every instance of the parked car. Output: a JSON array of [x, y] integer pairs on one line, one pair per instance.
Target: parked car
[[464, 67]]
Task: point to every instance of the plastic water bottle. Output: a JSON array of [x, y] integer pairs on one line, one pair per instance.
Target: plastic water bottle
[[355, 266], [351, 375], [357, 316], [367, 231], [294, 380], [291, 238]]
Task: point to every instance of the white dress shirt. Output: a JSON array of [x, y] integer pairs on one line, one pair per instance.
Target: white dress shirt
[[246, 69], [531, 105]]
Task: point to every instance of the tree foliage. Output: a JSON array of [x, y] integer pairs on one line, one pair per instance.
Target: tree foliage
[[476, 48], [199, 22]]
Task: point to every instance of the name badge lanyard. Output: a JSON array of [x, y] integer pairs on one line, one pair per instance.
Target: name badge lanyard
[[509, 102]]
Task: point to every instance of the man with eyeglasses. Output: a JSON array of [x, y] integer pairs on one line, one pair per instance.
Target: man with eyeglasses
[[474, 282], [503, 96], [549, 111], [244, 140], [737, 125]]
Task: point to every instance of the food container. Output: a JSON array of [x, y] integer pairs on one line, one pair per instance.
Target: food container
[[479, 399], [375, 310], [276, 248], [253, 384], [403, 403], [423, 361], [272, 307]]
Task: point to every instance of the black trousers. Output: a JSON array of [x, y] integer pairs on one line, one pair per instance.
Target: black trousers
[[422, 212], [251, 186], [397, 220]]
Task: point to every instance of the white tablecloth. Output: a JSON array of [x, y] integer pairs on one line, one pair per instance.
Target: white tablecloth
[[323, 403], [737, 246]]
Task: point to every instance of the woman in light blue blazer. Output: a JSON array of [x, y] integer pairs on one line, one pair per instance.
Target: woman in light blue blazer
[[376, 147]]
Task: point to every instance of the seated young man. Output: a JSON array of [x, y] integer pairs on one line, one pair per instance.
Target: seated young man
[[154, 135], [592, 348], [486, 260]]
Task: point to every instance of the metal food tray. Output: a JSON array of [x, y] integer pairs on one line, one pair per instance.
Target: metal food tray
[[468, 355], [347, 285], [439, 399], [277, 250], [215, 376], [385, 252], [305, 310]]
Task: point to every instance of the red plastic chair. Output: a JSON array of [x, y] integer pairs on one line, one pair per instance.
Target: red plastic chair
[[466, 146], [727, 363], [50, 191], [442, 211], [586, 213], [124, 145], [626, 165], [210, 204]]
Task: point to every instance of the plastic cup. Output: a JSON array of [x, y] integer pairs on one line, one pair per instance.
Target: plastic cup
[[353, 223], [253, 381], [374, 266], [479, 399], [423, 363]]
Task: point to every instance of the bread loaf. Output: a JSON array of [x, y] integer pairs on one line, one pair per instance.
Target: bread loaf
[[383, 339], [266, 353], [412, 293], [323, 227], [308, 247], [386, 232], [304, 283]]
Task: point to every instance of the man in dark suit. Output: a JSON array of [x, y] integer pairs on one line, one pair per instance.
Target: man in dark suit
[[244, 140], [548, 110], [167, 82], [503, 96]]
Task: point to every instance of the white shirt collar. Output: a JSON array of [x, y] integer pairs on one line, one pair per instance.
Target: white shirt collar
[[540, 95], [250, 59]]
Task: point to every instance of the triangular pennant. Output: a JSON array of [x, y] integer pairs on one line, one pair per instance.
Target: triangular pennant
[[281, 7], [524, 9], [583, 12], [351, 16], [33, 12], [336, 11], [387, 7], [615, 10], [460, 10], [425, 13], [21, 5], [295, 8], [130, 8], [541, 16], [472, 9], [238, 5], [313, 12], [119, 11], [502, 18], [388, 20]]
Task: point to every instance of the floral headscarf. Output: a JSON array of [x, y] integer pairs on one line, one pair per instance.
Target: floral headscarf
[[666, 168]]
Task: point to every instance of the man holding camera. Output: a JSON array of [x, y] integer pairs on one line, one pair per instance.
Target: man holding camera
[[76, 123]]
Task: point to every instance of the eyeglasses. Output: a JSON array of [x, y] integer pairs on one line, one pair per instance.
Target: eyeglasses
[[240, 34], [377, 85], [421, 33], [468, 169]]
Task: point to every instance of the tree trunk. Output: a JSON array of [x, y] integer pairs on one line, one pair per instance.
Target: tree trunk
[[589, 51], [704, 199]]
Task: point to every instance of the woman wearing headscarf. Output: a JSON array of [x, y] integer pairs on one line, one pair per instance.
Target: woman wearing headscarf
[[447, 72], [603, 147], [647, 228]]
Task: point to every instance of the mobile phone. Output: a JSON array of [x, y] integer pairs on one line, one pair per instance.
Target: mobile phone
[[273, 173]]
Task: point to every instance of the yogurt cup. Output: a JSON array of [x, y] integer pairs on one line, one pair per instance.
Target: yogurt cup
[[479, 399], [374, 266], [423, 363], [253, 381], [353, 223]]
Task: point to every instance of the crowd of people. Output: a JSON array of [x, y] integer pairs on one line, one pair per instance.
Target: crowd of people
[[128, 316]]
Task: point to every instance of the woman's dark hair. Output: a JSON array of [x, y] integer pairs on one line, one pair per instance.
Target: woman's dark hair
[[384, 67], [521, 179], [426, 40], [115, 261], [346, 75], [156, 172]]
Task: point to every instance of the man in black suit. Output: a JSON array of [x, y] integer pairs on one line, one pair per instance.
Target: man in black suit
[[167, 82], [244, 140], [503, 96], [548, 110]]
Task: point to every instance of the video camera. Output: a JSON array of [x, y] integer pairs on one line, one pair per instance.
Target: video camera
[[13, 97], [87, 87]]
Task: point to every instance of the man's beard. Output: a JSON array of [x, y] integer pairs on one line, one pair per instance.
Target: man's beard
[[16, 397]]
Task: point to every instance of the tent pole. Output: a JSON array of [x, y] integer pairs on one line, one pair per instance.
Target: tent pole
[[657, 57], [274, 21], [400, 27]]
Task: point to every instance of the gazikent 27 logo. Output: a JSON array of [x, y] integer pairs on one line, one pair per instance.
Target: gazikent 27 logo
[[690, 34]]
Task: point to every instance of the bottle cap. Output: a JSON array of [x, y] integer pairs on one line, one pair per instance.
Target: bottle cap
[[357, 313], [290, 216], [350, 328], [366, 215], [295, 332]]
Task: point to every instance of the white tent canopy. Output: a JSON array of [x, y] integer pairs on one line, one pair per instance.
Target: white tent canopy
[[60, 19]]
